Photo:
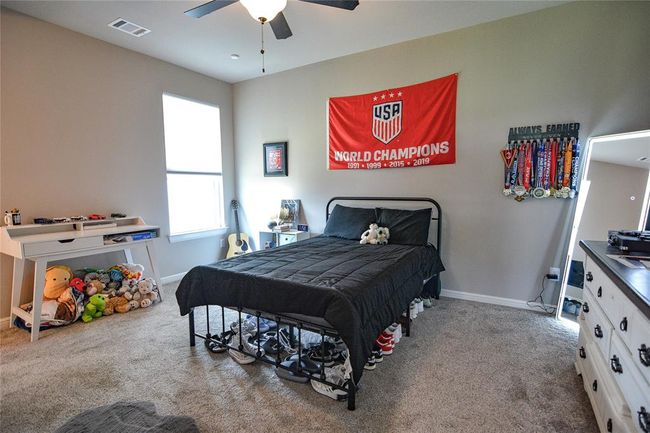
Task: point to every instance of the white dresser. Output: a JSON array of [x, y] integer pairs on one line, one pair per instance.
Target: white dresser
[[613, 354]]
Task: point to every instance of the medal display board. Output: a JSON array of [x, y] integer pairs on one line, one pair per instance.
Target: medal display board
[[542, 162]]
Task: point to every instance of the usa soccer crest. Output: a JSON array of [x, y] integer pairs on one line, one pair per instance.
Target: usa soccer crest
[[387, 121]]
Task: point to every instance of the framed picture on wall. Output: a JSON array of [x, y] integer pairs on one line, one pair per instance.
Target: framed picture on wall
[[275, 159]]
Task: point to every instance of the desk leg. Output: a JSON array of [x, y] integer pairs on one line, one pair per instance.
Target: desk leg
[[128, 256], [37, 302], [154, 267], [16, 286]]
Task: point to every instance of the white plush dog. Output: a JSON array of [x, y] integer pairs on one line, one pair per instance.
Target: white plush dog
[[375, 235]]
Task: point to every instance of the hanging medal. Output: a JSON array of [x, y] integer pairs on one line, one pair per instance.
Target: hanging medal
[[568, 163], [575, 146], [538, 191], [508, 156]]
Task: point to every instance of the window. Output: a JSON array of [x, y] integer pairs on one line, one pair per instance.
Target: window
[[193, 157]]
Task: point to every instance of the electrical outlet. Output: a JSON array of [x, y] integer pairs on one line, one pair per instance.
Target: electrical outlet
[[553, 274]]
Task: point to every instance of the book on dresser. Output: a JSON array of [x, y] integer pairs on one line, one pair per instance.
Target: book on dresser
[[613, 354]]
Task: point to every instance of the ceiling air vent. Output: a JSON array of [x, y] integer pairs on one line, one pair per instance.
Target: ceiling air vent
[[643, 159], [129, 27]]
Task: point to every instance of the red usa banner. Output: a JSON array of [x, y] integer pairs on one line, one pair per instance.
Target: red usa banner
[[404, 127]]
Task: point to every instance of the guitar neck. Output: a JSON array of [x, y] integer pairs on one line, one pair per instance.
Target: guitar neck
[[237, 226]]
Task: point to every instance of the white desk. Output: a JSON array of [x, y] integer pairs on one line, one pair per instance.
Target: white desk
[[45, 243]]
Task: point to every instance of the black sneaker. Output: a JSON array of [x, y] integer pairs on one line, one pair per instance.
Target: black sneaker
[[371, 364]]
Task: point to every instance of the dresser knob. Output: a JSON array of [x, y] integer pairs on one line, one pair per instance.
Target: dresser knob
[[644, 355], [623, 324], [616, 364], [600, 292], [582, 352], [594, 386], [589, 276], [598, 331], [644, 420], [585, 307], [609, 425]]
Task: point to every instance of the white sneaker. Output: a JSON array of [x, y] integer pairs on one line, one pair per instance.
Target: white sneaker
[[420, 304], [337, 375], [413, 310], [248, 347], [427, 302], [248, 327], [396, 332]]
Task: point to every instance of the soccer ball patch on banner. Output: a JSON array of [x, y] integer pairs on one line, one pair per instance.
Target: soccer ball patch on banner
[[405, 127]]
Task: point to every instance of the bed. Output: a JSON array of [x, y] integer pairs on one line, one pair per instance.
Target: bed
[[330, 285]]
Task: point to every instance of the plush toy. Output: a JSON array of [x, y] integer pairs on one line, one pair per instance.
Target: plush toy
[[147, 294], [116, 304], [66, 310], [383, 234], [116, 274], [57, 280], [129, 289], [132, 271], [370, 235], [78, 284], [94, 309], [94, 287], [96, 281]]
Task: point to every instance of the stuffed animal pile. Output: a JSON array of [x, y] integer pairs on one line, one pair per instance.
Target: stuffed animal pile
[[375, 235], [121, 288], [92, 293]]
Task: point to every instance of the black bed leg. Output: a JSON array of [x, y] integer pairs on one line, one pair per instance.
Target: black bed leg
[[191, 319], [352, 389]]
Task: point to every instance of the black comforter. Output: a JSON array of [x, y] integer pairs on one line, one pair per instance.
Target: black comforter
[[358, 289]]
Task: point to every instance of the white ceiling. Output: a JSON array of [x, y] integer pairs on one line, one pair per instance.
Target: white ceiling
[[319, 32], [623, 152]]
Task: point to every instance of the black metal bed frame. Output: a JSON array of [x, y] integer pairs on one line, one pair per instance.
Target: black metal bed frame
[[219, 342]]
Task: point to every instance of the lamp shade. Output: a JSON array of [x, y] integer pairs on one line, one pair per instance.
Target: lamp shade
[[266, 9]]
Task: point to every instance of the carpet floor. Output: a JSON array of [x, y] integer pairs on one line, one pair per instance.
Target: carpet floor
[[468, 367]]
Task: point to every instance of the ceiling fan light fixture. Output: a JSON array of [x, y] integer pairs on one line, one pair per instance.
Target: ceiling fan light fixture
[[264, 10]]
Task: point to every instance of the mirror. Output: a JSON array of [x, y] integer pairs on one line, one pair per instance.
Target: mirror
[[614, 195]]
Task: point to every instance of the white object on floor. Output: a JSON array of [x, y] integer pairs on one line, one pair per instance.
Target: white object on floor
[[43, 243]]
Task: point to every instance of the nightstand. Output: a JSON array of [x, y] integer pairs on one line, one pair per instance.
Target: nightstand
[[270, 239]]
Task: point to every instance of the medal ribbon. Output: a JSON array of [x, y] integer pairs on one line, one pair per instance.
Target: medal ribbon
[[568, 162]]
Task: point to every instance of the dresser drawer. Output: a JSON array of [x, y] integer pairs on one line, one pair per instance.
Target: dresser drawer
[[602, 288], [639, 343], [284, 239], [596, 325], [62, 246], [634, 388]]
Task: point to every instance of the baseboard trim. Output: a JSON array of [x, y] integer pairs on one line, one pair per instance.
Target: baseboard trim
[[4, 323], [172, 278], [496, 300]]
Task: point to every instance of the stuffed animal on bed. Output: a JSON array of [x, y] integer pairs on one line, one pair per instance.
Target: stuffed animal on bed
[[383, 234], [375, 235]]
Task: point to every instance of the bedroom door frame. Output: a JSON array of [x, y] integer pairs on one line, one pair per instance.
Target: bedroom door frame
[[582, 200]]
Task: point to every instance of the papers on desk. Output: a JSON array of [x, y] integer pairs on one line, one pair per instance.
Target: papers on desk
[[631, 261]]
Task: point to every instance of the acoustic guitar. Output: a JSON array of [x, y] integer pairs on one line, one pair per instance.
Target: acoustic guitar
[[238, 243]]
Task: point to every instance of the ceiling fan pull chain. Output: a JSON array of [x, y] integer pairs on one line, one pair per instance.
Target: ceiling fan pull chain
[[262, 50]]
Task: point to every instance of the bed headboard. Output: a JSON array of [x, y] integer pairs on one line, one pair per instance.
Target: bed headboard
[[435, 216]]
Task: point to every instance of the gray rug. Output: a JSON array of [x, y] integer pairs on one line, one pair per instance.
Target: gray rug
[[468, 367], [127, 417]]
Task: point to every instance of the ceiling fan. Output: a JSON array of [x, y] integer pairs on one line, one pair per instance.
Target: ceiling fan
[[267, 11]]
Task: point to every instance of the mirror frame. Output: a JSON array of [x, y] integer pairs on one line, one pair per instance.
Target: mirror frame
[[582, 199]]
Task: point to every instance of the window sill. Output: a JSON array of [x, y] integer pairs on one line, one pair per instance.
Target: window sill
[[181, 237]]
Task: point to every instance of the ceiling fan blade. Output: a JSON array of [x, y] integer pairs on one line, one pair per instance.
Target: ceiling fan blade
[[280, 27], [208, 7], [341, 4]]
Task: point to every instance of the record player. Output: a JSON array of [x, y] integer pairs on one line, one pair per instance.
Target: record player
[[630, 241]]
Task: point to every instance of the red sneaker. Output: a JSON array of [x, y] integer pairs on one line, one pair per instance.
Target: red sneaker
[[386, 348]]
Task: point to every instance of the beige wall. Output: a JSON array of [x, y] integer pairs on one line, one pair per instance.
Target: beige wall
[[584, 62], [82, 132], [608, 204]]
